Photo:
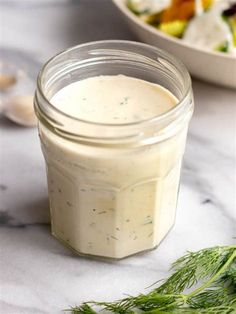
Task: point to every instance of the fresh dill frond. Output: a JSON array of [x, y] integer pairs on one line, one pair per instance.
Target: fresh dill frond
[[195, 266], [212, 310], [202, 282], [83, 309]]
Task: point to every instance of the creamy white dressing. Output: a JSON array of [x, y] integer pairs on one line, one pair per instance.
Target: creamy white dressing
[[112, 202], [198, 7], [208, 31], [159, 5], [153, 6], [113, 99]]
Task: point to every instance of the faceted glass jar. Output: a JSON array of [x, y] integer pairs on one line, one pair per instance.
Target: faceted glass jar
[[113, 188]]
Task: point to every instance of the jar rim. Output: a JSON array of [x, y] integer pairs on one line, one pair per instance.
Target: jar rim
[[90, 129], [175, 61]]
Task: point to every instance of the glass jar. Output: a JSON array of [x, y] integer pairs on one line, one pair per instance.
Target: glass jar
[[113, 188]]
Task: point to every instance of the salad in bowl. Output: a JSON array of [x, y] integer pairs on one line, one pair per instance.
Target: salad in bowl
[[206, 24]]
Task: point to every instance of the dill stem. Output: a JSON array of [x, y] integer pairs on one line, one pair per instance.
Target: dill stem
[[213, 278]]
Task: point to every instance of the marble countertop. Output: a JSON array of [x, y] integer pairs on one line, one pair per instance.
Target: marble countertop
[[39, 275]]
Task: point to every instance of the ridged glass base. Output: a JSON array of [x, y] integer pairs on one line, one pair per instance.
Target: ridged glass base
[[98, 257]]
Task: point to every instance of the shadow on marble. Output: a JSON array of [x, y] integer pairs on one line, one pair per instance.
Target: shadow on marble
[[27, 214], [8, 124]]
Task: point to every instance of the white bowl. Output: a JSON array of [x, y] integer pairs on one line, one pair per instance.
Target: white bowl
[[215, 67]]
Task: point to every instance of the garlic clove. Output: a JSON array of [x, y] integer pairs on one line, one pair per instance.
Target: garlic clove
[[20, 109], [6, 81]]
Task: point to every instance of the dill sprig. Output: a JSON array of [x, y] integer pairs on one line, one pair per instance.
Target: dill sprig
[[202, 282]]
